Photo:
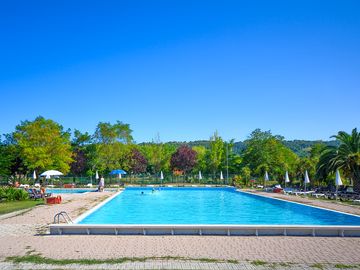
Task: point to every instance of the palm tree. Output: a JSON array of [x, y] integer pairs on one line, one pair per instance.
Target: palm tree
[[345, 157]]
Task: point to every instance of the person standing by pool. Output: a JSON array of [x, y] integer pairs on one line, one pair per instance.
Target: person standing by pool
[[101, 184]]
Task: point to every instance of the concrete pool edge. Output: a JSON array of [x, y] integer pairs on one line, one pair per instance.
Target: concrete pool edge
[[204, 229]]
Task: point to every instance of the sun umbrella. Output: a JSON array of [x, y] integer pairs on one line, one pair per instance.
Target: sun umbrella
[[200, 176], [338, 181], [266, 176], [118, 171], [51, 173], [34, 175], [306, 179], [161, 175], [96, 175], [287, 179], [221, 176]]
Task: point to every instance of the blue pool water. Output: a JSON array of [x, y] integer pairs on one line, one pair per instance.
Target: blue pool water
[[209, 206], [68, 190]]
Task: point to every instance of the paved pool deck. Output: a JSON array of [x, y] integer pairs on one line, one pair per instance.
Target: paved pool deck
[[28, 231]]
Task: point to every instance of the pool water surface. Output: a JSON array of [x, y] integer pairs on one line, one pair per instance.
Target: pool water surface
[[209, 206]]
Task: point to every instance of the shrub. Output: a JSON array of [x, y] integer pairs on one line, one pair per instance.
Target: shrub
[[13, 194], [21, 195]]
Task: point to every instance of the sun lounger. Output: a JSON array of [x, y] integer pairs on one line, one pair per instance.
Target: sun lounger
[[34, 194], [298, 193], [318, 195]]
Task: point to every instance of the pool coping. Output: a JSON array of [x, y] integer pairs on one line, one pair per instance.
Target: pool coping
[[205, 229]]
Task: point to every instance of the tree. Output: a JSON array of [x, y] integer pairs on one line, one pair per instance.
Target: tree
[[265, 152], [44, 145], [216, 152], [158, 155], [11, 163], [345, 157], [112, 146], [6, 160], [106, 133], [246, 174], [81, 139], [78, 166], [309, 163], [201, 162], [184, 159], [81, 144], [138, 162]]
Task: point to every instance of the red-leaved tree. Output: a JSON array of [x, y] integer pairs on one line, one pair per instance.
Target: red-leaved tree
[[184, 159], [138, 162]]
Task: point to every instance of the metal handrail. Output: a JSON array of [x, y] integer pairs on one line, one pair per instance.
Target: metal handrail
[[65, 216]]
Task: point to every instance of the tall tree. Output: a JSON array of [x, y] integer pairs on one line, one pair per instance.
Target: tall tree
[[44, 145], [158, 155], [201, 162], [184, 159], [80, 147], [112, 146], [266, 152], [6, 159], [107, 133], [216, 153], [345, 157], [138, 163]]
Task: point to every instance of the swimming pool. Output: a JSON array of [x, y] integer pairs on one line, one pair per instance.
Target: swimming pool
[[68, 190], [214, 210]]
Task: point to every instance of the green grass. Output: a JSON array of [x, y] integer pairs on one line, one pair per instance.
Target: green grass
[[318, 266], [343, 266], [258, 262], [38, 259], [11, 206]]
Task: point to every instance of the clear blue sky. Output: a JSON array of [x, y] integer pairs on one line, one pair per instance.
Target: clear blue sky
[[183, 69]]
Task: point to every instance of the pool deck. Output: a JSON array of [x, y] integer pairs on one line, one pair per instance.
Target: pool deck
[[30, 231]]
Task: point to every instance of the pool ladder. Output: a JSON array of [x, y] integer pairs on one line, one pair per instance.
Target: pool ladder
[[64, 215]]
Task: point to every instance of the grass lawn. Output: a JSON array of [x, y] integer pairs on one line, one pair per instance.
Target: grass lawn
[[7, 207]]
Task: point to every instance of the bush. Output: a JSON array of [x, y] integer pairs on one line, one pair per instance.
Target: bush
[[21, 195], [13, 194]]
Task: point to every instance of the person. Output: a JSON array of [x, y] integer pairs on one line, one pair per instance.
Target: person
[[42, 191], [101, 184], [142, 192]]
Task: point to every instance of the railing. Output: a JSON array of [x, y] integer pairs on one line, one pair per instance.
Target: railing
[[64, 215]]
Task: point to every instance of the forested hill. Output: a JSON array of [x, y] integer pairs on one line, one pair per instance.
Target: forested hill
[[300, 147]]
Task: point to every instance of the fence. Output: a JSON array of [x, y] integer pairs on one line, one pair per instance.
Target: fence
[[135, 180]]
